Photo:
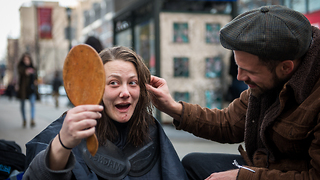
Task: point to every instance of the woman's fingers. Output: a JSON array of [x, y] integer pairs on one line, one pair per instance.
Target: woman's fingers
[[84, 133], [72, 139], [84, 124], [72, 133], [79, 123], [83, 108], [83, 112], [84, 115]]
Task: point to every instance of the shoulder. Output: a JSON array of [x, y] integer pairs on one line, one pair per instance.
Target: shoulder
[[49, 132]]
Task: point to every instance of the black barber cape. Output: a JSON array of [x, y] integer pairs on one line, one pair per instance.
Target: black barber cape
[[169, 162]]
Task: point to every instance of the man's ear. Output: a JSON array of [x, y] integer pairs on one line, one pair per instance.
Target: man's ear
[[285, 68]]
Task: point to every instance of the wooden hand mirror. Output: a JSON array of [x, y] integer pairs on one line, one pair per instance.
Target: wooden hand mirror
[[84, 81]]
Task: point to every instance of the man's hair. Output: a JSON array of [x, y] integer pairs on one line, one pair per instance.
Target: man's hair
[[270, 63]]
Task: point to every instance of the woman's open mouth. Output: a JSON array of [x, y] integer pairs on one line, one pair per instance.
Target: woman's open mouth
[[123, 106]]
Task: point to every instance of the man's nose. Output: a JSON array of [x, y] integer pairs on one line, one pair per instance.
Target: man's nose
[[242, 75]]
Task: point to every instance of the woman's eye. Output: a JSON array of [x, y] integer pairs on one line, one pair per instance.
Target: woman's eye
[[133, 83], [113, 83]]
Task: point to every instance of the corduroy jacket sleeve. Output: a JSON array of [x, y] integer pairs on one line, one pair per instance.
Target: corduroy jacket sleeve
[[225, 126]]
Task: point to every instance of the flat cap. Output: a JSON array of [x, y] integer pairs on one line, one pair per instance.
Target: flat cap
[[273, 32]]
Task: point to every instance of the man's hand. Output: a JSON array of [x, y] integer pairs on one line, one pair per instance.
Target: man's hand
[[162, 99], [225, 175], [159, 92]]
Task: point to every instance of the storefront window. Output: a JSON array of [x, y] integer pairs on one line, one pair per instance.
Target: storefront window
[[97, 11], [213, 99], [182, 96], [299, 5], [181, 67], [213, 67], [212, 32], [144, 44], [86, 15], [124, 38], [314, 5], [180, 32]]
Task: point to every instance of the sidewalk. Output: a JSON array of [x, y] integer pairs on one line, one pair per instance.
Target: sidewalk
[[11, 127]]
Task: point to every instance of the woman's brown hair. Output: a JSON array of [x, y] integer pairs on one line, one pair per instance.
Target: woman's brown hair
[[142, 117]]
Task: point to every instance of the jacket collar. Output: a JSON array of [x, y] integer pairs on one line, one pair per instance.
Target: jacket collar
[[303, 80]]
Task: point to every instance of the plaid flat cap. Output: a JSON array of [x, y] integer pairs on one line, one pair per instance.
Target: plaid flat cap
[[272, 32]]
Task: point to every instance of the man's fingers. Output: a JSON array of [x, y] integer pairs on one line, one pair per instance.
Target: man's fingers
[[156, 81], [150, 89]]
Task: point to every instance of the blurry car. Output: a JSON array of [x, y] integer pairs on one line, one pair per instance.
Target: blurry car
[[2, 89], [62, 91], [45, 89]]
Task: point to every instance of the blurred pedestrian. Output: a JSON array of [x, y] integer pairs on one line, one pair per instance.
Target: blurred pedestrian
[[10, 90], [28, 87], [95, 43], [56, 83]]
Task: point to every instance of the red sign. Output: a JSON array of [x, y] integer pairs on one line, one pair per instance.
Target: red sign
[[44, 22], [314, 18]]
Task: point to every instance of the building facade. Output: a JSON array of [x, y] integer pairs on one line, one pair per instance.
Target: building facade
[[310, 8], [11, 73], [179, 41], [47, 50], [94, 18]]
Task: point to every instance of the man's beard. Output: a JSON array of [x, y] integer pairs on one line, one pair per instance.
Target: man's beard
[[277, 84]]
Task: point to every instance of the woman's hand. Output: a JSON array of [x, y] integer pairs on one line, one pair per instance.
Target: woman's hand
[[79, 123], [29, 71]]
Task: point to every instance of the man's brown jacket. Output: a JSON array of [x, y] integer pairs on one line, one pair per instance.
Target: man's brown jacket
[[281, 130]]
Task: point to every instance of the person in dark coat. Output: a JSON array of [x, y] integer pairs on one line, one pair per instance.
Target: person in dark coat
[[28, 86], [10, 90], [132, 144], [56, 83], [95, 43]]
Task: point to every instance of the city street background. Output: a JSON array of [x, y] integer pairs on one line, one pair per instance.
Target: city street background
[[11, 127]]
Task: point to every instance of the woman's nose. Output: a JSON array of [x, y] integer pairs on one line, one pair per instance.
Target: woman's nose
[[124, 92]]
